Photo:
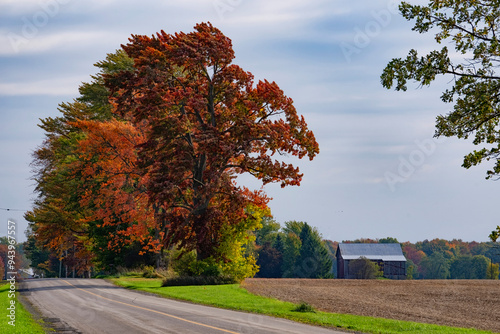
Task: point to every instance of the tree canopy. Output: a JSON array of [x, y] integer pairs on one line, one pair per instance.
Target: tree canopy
[[472, 27], [296, 250], [146, 159], [207, 123]]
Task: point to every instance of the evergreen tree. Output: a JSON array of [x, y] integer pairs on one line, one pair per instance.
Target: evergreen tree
[[279, 243], [314, 260], [291, 251]]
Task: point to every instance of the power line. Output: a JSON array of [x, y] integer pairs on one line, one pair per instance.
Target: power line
[[8, 209]]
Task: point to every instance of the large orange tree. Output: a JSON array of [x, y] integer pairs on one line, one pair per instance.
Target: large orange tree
[[208, 122]]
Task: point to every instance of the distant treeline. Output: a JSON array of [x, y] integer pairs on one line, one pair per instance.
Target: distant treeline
[[444, 259], [456, 259], [278, 250]]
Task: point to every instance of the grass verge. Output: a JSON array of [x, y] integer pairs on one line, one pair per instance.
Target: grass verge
[[236, 298], [16, 320]]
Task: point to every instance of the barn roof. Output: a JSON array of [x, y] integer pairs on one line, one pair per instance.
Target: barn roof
[[383, 252]]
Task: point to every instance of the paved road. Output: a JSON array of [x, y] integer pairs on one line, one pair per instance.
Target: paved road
[[96, 306]]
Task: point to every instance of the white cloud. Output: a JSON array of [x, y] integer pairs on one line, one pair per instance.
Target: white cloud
[[53, 86], [12, 44]]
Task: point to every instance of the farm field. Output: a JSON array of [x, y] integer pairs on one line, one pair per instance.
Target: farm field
[[457, 303]]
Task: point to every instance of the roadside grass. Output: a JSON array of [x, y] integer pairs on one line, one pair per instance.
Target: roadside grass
[[24, 322], [236, 298]]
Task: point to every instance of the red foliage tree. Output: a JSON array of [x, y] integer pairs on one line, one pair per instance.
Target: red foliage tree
[[412, 253], [114, 189], [208, 123]]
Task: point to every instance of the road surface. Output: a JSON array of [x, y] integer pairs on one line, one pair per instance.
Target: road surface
[[96, 306]]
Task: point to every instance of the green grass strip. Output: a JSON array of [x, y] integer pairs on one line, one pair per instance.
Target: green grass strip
[[24, 322], [236, 298]]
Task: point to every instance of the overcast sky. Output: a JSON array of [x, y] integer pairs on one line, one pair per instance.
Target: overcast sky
[[379, 173]]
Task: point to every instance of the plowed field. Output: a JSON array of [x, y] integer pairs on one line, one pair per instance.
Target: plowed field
[[457, 303]]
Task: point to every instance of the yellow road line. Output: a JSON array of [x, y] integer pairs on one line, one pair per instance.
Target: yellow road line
[[158, 312]]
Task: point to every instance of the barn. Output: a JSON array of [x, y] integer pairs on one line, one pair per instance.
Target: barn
[[389, 257]]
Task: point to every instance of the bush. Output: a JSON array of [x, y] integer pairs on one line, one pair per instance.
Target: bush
[[304, 307], [166, 273], [182, 262], [187, 265], [363, 268], [150, 272], [123, 271], [198, 280], [207, 267]]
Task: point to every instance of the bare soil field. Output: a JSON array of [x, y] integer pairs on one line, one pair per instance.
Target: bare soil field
[[456, 303]]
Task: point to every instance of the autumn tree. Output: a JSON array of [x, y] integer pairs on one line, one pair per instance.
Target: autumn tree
[[12, 256], [60, 217], [113, 189], [41, 260], [147, 158], [56, 213], [237, 238], [472, 27], [208, 123], [435, 246]]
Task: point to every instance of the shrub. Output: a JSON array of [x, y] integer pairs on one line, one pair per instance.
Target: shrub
[[363, 268], [304, 307], [150, 272], [207, 267], [198, 280], [182, 262], [238, 268], [123, 271], [166, 273]]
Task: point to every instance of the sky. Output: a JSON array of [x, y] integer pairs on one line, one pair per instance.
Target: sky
[[380, 172]]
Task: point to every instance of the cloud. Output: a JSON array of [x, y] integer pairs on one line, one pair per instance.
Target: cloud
[[53, 86], [12, 44]]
